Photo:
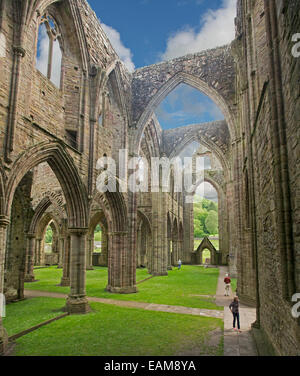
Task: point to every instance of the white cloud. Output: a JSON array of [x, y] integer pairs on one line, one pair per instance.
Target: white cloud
[[217, 28], [42, 56], [43, 49], [123, 52]]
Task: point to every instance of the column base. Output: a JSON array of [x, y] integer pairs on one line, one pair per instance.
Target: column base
[[59, 267], [89, 268], [29, 278], [170, 268], [65, 282], [77, 305], [3, 339], [157, 274], [122, 290]]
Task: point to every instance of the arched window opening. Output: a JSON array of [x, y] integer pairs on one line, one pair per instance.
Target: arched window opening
[[206, 257], [206, 215], [98, 239], [48, 239], [49, 53], [186, 105]]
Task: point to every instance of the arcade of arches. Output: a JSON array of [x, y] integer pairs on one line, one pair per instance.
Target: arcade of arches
[[53, 133]]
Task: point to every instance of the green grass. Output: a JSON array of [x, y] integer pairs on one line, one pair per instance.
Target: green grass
[[233, 285], [98, 236], [181, 287], [118, 331], [28, 313]]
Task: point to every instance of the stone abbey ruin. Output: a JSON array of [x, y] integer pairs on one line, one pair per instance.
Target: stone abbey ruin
[[54, 132]]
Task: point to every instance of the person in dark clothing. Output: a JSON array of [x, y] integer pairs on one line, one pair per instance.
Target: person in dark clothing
[[234, 308]]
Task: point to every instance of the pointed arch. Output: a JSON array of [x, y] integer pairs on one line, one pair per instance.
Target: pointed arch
[[66, 172], [170, 85], [39, 212]]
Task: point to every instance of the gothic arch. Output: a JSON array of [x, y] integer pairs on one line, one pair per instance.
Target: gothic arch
[[206, 244], [170, 85], [66, 172], [144, 218], [205, 141], [39, 212], [25, 11], [114, 208], [98, 217]]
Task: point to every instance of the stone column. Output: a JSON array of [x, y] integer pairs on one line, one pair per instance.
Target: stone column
[[180, 249], [65, 281], [159, 234], [77, 302], [139, 247], [89, 253], [188, 233], [29, 274], [169, 254], [38, 246], [104, 248], [118, 264], [61, 246], [4, 222]]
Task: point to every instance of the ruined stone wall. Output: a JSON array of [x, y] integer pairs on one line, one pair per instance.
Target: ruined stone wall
[[268, 87]]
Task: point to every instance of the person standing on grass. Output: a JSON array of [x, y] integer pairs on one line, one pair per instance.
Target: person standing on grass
[[179, 264], [227, 282], [234, 308]]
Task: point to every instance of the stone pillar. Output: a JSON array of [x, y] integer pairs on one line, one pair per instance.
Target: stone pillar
[[65, 281], [169, 254], [104, 247], [175, 252], [4, 222], [77, 302], [38, 246], [89, 253], [61, 246], [159, 234], [139, 247], [119, 261], [188, 232], [180, 249], [29, 274]]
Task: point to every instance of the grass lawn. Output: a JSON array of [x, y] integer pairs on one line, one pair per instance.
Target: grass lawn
[[181, 287], [116, 331], [28, 313]]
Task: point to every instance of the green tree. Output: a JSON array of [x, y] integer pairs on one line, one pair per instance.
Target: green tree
[[198, 228], [49, 235], [212, 206], [211, 222]]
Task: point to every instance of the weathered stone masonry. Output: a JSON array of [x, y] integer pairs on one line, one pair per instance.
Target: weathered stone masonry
[[51, 138]]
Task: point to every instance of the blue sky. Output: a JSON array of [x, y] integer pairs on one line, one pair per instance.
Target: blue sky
[[186, 105], [145, 32], [153, 30]]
